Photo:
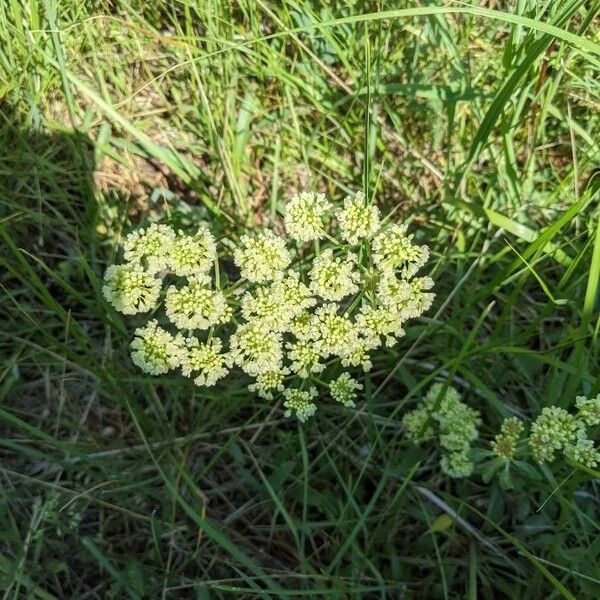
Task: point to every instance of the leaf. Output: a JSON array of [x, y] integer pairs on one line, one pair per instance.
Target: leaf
[[443, 522], [506, 483], [489, 469]]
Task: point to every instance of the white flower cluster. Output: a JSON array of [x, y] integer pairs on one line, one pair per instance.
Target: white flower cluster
[[304, 216], [358, 220], [343, 389], [294, 313], [262, 258]]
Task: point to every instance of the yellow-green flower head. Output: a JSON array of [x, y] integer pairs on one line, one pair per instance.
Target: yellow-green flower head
[[302, 325], [457, 464], [443, 414], [205, 359], [379, 321], [445, 400], [192, 254], [409, 299], [583, 451], [343, 390], [554, 429], [267, 384], [504, 447], [417, 424], [393, 250], [334, 278], [278, 304], [358, 354], [459, 430], [505, 443], [294, 294], [335, 334], [256, 349], [195, 305], [288, 321], [130, 289], [588, 411], [304, 216], [262, 258], [149, 247], [357, 219], [155, 350], [513, 427], [419, 300], [305, 357], [457, 422], [299, 403]]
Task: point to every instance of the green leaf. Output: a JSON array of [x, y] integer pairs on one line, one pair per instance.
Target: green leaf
[[443, 522]]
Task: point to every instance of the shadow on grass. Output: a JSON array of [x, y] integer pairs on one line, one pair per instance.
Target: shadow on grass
[[67, 389], [44, 177]]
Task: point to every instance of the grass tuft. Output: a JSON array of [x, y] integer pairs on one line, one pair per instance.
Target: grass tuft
[[479, 125]]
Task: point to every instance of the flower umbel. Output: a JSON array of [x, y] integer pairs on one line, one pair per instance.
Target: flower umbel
[[444, 415], [553, 430], [357, 220], [155, 350], [262, 258], [409, 299], [289, 314], [333, 333], [457, 464], [196, 306], [556, 430], [130, 289], [278, 304], [505, 443], [305, 357], [588, 411], [418, 425], [376, 322], [304, 216], [150, 246], [393, 249], [192, 254], [256, 349], [299, 403], [268, 384], [343, 390], [205, 359], [583, 451], [334, 278]]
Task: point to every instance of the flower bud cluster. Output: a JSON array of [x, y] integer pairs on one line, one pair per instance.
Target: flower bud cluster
[[443, 416], [557, 430], [298, 309], [505, 443]]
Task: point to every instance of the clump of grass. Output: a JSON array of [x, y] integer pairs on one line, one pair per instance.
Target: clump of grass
[[480, 125]]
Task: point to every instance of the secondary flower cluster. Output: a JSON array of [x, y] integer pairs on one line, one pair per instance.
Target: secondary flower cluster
[[442, 415], [557, 430], [505, 443], [297, 315]]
